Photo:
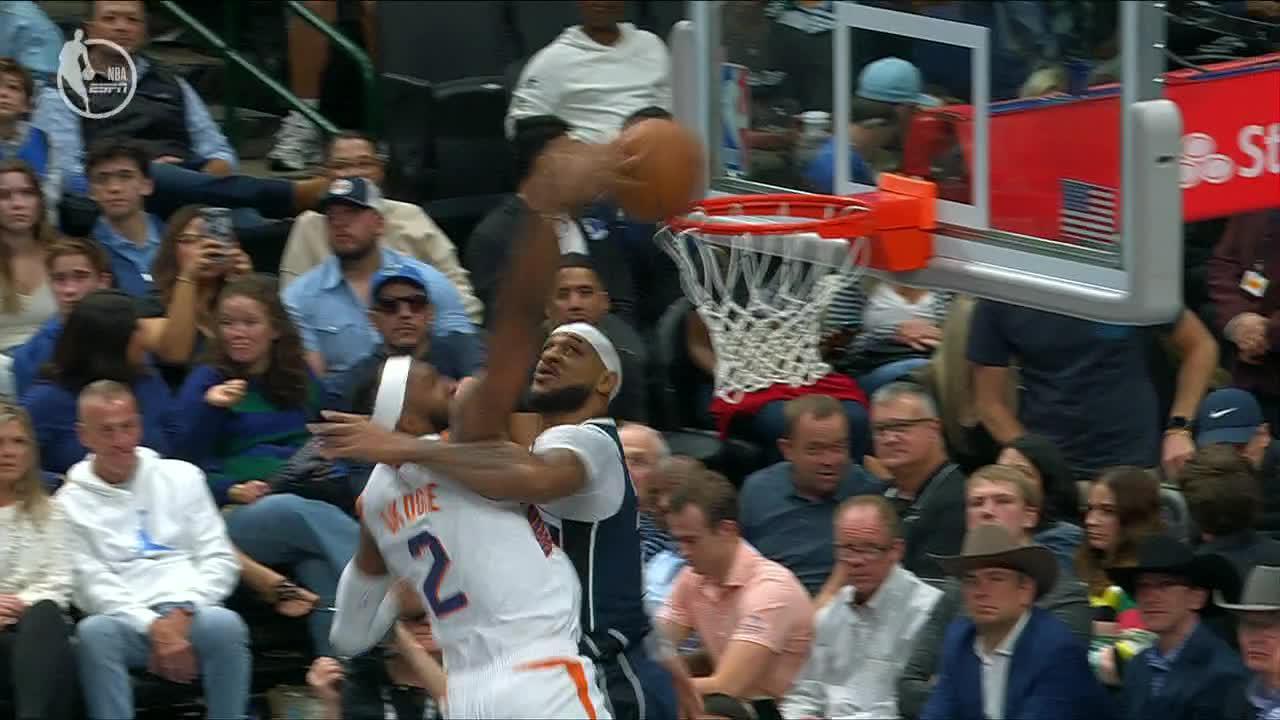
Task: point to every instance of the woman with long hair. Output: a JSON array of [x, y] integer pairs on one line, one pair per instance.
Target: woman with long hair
[[240, 417], [1123, 509], [102, 340], [26, 300], [35, 579], [190, 269]]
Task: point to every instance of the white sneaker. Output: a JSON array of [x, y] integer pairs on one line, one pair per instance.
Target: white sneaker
[[297, 144]]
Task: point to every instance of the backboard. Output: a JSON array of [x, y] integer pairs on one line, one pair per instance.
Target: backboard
[[1057, 153]]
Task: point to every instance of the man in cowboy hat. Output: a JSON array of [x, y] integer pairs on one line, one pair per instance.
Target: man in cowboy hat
[[1008, 658], [1258, 618], [1190, 669]]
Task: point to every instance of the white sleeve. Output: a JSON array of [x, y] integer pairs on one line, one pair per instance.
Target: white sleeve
[[601, 495], [96, 588], [538, 90], [366, 611], [213, 554]]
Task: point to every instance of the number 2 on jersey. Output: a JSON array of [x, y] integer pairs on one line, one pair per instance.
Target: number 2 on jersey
[[425, 541]]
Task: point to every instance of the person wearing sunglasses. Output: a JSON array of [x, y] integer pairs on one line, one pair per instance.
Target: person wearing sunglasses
[[400, 309], [330, 303]]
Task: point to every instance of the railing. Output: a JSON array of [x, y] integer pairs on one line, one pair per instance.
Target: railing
[[238, 62]]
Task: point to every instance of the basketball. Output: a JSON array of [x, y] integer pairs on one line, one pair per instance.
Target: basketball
[[664, 171]]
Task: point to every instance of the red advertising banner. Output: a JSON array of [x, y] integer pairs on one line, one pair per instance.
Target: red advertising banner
[[1055, 161]]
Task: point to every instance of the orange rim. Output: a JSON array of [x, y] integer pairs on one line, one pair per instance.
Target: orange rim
[[828, 216]]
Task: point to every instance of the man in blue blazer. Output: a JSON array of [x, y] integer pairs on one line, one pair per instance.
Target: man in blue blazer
[[1008, 659], [1190, 672]]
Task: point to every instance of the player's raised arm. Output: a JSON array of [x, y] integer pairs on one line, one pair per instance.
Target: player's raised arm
[[566, 177]]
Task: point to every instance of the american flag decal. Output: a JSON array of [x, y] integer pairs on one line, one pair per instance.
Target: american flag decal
[[1088, 215]]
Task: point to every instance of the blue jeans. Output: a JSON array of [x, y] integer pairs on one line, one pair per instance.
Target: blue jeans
[[892, 371], [110, 647], [177, 186], [314, 539], [769, 424]]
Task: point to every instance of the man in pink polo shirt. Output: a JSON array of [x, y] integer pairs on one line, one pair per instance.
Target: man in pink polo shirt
[[754, 617]]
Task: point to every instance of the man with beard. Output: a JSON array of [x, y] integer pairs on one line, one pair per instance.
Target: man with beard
[[401, 311], [573, 478], [330, 303], [576, 477]]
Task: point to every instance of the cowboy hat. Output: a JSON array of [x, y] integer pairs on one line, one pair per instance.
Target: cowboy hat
[[1170, 556], [1261, 592], [991, 546]]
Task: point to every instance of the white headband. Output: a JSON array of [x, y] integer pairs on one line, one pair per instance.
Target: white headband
[[391, 391], [601, 344]]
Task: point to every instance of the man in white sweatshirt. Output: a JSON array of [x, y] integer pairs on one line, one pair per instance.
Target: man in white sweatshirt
[[152, 565], [594, 75]]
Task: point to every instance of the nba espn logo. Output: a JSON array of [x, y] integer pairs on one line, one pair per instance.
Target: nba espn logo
[[1201, 161]]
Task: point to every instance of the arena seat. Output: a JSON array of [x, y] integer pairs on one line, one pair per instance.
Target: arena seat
[[77, 215], [409, 137], [474, 168]]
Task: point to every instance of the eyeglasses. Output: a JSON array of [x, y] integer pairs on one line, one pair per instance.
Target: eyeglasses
[[866, 552], [898, 426], [391, 306]]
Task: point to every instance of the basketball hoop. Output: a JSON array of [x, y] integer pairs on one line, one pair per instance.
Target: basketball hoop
[[761, 271]]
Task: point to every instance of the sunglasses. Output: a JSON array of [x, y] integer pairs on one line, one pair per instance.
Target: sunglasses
[[390, 306]]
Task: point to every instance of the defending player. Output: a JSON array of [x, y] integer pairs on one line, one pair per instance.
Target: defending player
[[503, 598], [576, 473]]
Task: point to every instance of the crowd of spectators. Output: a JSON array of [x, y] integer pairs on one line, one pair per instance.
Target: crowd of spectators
[[990, 511]]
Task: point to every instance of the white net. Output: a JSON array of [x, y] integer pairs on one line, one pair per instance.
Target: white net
[[763, 298]]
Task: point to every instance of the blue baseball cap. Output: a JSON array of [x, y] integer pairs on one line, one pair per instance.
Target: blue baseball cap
[[1229, 415], [893, 80], [404, 272], [353, 191]]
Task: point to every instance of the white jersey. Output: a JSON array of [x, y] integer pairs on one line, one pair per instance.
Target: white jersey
[[498, 589]]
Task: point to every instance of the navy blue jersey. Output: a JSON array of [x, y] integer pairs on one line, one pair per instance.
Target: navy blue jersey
[[605, 552]]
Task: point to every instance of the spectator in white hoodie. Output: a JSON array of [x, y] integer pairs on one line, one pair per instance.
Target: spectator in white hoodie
[[35, 580], [594, 75], [152, 565]]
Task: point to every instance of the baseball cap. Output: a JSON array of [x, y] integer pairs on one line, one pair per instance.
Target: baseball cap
[[893, 80], [401, 271], [353, 191], [1230, 415]]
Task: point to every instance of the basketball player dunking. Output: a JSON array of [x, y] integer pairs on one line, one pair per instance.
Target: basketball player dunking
[[576, 477], [504, 599]]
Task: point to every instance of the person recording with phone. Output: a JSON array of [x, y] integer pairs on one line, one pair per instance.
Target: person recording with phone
[[196, 259]]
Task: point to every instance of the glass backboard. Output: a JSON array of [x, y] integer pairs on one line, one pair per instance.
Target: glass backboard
[[1045, 126]]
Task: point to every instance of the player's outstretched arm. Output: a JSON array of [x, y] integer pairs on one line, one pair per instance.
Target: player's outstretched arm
[[365, 612], [497, 470], [566, 177]]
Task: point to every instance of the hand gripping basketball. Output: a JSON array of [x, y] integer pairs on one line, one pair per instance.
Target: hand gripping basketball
[[663, 170]]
